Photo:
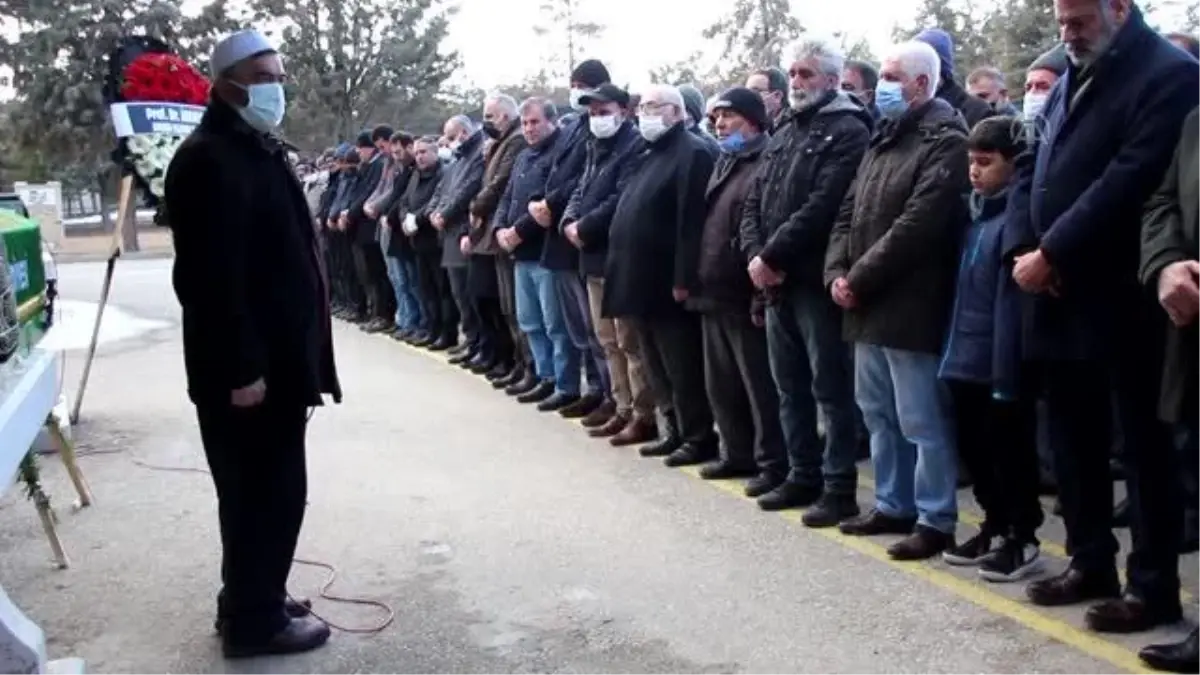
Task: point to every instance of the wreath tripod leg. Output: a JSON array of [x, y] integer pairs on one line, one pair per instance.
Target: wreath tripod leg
[[66, 450], [33, 490]]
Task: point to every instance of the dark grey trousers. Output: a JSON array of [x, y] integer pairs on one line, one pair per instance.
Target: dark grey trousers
[[673, 355], [737, 374]]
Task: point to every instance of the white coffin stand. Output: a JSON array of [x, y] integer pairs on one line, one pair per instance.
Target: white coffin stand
[[28, 393]]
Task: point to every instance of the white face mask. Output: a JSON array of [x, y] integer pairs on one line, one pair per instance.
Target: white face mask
[[574, 97], [265, 106], [445, 154], [604, 127], [1034, 103], [652, 127]]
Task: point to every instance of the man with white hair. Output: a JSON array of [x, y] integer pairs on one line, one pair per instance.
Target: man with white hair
[[653, 258], [491, 269], [1093, 333], [257, 344], [786, 221], [890, 265]]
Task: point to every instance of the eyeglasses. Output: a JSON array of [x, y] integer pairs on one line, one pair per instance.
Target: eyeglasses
[[653, 107]]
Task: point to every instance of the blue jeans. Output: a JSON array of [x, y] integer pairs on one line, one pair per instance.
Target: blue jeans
[[906, 409], [403, 275], [577, 316], [810, 364], [539, 314]]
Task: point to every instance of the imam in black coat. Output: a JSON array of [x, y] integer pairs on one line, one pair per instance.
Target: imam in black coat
[[248, 274]]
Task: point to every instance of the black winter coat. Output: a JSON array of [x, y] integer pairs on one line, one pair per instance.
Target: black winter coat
[[804, 175], [461, 183], [526, 184], [610, 163], [654, 243], [570, 155], [362, 228], [248, 268], [420, 192]]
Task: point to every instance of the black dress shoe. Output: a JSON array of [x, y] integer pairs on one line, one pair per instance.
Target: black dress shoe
[[523, 386], [420, 338], [294, 608], [512, 377], [1073, 587], [762, 484], [923, 544], [661, 448], [1176, 657], [301, 634], [726, 470], [462, 357], [445, 343], [582, 407], [830, 510], [790, 495], [690, 454], [557, 402], [501, 371], [1130, 614], [540, 392], [481, 365], [876, 522]]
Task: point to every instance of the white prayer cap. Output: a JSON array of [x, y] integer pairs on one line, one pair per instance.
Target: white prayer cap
[[238, 47]]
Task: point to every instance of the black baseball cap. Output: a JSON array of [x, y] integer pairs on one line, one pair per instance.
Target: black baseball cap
[[606, 93]]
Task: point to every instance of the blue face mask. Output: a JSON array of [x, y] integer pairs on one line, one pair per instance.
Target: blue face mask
[[265, 106], [733, 142], [890, 99]]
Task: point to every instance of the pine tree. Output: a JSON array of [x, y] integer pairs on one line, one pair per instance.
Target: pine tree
[[567, 34], [753, 35]]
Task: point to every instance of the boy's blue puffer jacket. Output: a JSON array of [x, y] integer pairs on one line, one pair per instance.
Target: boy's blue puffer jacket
[[983, 342]]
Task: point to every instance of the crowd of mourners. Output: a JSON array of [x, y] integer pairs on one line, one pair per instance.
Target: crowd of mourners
[[831, 260]]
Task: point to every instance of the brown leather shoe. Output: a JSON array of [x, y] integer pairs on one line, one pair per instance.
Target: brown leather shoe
[[1130, 614], [601, 416], [923, 544], [637, 431], [615, 425]]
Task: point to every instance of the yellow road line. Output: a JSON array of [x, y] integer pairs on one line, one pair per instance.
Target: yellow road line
[[1086, 642], [1024, 614]]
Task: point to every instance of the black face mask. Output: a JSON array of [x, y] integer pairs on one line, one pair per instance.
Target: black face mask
[[491, 130]]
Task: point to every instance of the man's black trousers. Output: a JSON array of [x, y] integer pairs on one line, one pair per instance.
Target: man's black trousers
[[673, 354], [257, 459], [437, 300], [1079, 396], [372, 277]]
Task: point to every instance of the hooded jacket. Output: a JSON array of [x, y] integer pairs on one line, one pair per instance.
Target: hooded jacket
[[804, 175], [897, 233]]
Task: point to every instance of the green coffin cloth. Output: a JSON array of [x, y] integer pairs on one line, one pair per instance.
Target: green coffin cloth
[[23, 248]]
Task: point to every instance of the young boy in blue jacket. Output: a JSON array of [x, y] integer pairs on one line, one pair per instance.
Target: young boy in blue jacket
[[995, 416]]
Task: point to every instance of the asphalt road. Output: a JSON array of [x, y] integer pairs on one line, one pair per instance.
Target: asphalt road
[[505, 540]]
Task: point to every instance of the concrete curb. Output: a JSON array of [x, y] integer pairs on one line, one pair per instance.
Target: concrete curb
[[63, 257]]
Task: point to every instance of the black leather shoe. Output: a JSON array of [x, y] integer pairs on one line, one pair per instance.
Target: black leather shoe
[[301, 634], [1176, 657], [830, 510], [540, 392], [500, 372], [294, 608], [522, 386], [690, 455], [661, 448], [762, 484], [1073, 587], [1130, 614], [462, 357], [510, 378], [557, 402], [876, 522], [790, 495], [481, 365], [420, 338], [726, 470], [582, 407]]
